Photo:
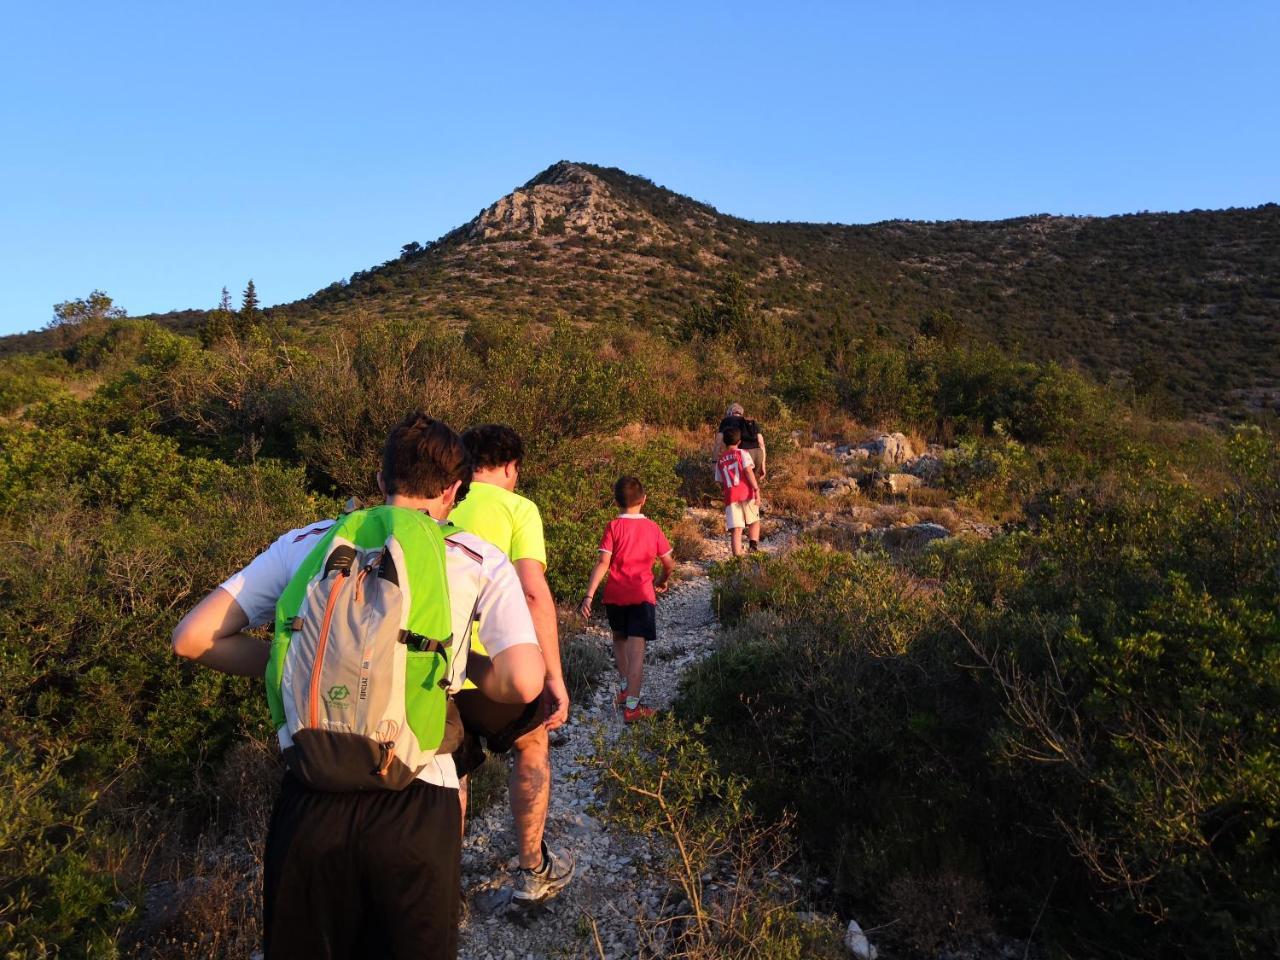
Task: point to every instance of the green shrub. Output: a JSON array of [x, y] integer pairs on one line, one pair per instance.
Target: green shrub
[[575, 496], [586, 663], [104, 730], [1077, 715], [733, 900], [28, 379]]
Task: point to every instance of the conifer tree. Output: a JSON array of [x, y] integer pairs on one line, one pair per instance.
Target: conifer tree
[[249, 302], [248, 317], [220, 324]]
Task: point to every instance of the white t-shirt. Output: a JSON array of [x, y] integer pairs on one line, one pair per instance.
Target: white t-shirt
[[481, 579]]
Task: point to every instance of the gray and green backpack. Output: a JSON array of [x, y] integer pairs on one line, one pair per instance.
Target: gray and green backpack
[[362, 656]]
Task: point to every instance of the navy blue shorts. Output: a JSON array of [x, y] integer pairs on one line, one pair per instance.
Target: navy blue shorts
[[633, 619]]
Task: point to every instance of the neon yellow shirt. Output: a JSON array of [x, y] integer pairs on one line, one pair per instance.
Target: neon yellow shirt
[[509, 521]]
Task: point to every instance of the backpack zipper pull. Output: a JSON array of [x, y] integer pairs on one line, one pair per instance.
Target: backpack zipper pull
[[388, 755]]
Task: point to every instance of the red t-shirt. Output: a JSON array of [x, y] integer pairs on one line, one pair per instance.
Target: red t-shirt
[[731, 471], [633, 542]]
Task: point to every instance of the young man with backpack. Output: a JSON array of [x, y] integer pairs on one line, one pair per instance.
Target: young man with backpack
[[494, 512], [735, 470], [752, 439], [373, 615]]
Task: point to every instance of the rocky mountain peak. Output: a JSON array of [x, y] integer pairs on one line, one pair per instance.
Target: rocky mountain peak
[[566, 199]]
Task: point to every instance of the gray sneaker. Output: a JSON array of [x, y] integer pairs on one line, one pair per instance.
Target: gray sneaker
[[545, 881]]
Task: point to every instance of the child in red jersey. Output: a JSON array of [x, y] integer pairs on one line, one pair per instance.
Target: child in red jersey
[[631, 544], [736, 472]]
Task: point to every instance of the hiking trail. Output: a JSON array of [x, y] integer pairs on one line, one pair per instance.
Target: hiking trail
[[609, 884]]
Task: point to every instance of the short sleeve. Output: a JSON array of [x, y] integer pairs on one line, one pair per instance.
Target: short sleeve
[[662, 547], [606, 542], [258, 586], [502, 614], [527, 542], [747, 462]]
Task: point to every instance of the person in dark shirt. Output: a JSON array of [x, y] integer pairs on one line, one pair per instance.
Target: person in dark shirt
[[752, 437]]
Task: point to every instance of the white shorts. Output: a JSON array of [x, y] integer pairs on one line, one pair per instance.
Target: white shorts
[[741, 514]]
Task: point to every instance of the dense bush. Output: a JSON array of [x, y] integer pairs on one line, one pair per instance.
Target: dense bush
[[575, 495], [950, 390], [107, 740], [28, 379], [1080, 716]]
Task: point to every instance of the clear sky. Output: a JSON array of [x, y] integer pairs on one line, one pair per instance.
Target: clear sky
[[161, 150]]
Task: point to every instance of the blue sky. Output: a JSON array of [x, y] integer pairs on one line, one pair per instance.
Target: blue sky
[[159, 150]]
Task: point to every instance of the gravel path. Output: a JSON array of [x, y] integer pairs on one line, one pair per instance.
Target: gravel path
[[607, 885]]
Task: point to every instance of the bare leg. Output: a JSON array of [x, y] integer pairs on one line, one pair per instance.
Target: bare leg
[[530, 786], [735, 539], [753, 532], [620, 656], [635, 664]]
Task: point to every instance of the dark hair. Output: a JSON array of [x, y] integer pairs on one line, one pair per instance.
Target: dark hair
[[422, 457], [493, 445], [628, 491], [732, 435]]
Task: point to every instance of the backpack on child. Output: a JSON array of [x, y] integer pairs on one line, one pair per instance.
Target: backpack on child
[[749, 430], [731, 471], [361, 660]]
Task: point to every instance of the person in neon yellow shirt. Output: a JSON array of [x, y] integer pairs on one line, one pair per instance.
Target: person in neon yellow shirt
[[494, 512]]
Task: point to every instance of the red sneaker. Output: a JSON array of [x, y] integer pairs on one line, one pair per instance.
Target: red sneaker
[[621, 699], [639, 713]]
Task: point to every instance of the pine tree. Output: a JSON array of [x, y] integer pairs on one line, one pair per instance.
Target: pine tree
[[248, 317], [220, 324], [249, 302]]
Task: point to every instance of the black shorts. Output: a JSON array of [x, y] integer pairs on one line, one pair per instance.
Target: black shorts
[[489, 725], [370, 874], [633, 620]]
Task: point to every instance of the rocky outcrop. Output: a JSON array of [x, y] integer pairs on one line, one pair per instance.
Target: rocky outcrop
[[838, 487], [915, 536], [569, 199], [890, 448], [900, 483]]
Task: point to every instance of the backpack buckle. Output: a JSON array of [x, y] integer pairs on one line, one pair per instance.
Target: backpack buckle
[[420, 644]]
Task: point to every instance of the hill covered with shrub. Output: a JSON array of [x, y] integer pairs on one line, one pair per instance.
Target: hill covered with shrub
[[1186, 304], [1182, 306], [1067, 728]]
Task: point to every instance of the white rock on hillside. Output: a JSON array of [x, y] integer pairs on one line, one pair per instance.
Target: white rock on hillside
[[891, 448], [898, 483], [858, 943]]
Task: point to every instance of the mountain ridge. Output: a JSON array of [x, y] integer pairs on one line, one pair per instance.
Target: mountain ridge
[[1195, 294]]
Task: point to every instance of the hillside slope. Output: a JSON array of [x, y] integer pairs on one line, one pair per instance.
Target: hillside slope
[[1190, 301], [1194, 296]]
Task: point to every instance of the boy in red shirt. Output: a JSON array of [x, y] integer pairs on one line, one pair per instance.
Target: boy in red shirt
[[736, 472], [631, 544]]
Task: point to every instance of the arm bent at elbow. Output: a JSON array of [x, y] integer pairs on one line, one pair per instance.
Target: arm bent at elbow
[[212, 635], [513, 676]]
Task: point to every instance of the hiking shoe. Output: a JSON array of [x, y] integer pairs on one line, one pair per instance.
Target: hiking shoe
[[641, 712], [621, 699], [545, 881], [753, 545]]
